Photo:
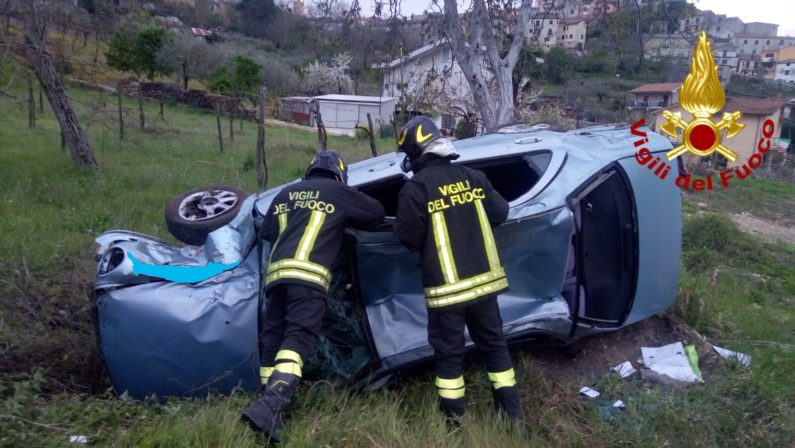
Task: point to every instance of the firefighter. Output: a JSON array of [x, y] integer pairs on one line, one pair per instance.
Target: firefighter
[[305, 225], [445, 212]]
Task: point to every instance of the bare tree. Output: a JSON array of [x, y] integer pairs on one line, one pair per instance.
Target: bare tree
[[479, 49], [34, 52]]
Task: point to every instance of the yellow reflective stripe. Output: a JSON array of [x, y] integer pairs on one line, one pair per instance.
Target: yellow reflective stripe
[[465, 284], [288, 367], [443, 246], [289, 355], [454, 383], [503, 379], [299, 264], [265, 373], [282, 222], [310, 234], [451, 394], [295, 274], [472, 294], [488, 236]]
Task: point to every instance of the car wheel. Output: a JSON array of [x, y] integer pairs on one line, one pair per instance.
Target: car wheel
[[195, 213]]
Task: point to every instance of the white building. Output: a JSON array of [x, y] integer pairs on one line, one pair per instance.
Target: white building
[[429, 77], [785, 71], [345, 112]]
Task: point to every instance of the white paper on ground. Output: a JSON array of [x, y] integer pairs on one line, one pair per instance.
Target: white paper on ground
[[588, 392], [619, 404], [742, 358], [78, 439], [669, 360], [624, 369]]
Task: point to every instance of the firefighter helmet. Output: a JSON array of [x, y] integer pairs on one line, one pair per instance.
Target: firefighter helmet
[[417, 135], [330, 162]]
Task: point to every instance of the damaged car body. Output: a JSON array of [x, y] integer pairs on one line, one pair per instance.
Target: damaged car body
[[591, 244]]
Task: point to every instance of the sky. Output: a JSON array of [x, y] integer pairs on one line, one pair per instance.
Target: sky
[[781, 12]]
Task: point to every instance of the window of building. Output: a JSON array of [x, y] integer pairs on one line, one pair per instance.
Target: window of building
[[745, 41], [781, 42], [550, 22], [538, 23], [724, 62], [768, 43], [756, 42], [753, 51], [786, 72]]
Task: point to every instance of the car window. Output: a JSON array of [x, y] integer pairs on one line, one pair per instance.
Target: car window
[[513, 176], [386, 192]]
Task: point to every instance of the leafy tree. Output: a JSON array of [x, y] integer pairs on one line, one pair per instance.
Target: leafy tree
[[241, 80], [320, 77], [558, 64], [137, 52], [256, 15]]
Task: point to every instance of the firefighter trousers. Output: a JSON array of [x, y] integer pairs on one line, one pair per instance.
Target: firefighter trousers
[[291, 324], [446, 336]]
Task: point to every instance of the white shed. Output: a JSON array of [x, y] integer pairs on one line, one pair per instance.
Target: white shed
[[346, 111]]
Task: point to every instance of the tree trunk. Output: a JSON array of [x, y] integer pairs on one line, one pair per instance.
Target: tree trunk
[[31, 103], [372, 136], [41, 100], [218, 123], [43, 65], [481, 51], [261, 163]]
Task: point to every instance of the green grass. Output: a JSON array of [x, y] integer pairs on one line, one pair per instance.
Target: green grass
[[735, 289]]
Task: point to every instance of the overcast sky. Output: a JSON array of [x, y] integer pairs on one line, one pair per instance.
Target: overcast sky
[[781, 12]]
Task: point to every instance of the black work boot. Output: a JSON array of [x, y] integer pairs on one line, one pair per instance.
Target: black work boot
[[266, 414], [453, 410], [506, 400]]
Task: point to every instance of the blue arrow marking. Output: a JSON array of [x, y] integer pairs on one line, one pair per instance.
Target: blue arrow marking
[[183, 274]]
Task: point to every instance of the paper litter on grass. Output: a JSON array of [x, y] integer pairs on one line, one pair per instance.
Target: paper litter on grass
[[79, 439], [619, 404], [624, 369], [670, 360], [742, 358], [588, 392]]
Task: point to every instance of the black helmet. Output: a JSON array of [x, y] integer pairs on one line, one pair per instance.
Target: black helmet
[[329, 162], [416, 135]]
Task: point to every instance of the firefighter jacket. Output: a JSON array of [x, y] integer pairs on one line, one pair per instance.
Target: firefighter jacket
[[446, 211], [305, 225]]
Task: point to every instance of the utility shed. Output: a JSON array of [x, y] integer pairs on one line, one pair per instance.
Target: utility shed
[[345, 111]]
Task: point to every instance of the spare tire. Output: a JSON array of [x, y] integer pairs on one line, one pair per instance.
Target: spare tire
[[195, 213]]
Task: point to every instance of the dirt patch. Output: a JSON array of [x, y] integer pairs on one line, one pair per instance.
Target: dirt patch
[[764, 229], [591, 358]]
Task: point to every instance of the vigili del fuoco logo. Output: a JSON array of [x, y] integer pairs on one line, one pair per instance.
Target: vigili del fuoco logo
[[702, 96]]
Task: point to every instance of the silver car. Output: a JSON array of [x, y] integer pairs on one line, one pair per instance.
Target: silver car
[[591, 244]]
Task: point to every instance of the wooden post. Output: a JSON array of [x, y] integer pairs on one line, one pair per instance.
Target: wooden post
[[121, 115], [261, 163], [162, 116], [372, 136], [231, 125], [31, 103], [321, 129], [141, 117], [41, 100], [218, 123]]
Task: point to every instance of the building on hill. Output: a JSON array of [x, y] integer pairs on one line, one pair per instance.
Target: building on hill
[[675, 48], [430, 77], [755, 111], [656, 95], [572, 33], [543, 29], [785, 71]]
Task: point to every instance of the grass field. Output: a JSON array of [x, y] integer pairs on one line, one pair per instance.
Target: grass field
[[735, 290]]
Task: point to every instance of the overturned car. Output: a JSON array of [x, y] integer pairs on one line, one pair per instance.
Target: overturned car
[[591, 244]]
